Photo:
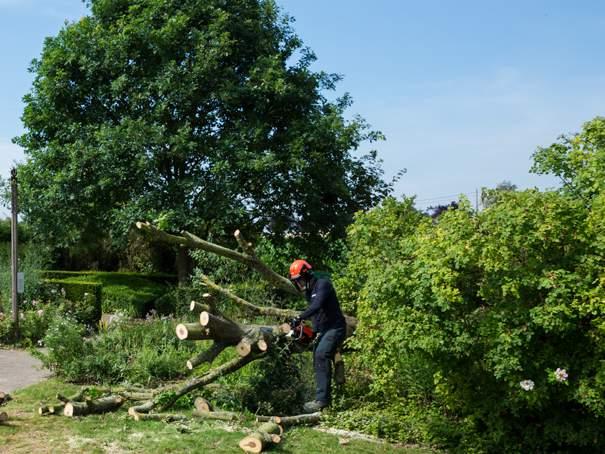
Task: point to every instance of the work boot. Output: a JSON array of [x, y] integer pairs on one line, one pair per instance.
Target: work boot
[[314, 406]]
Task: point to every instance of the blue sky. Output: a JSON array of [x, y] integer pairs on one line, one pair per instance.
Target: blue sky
[[463, 90]]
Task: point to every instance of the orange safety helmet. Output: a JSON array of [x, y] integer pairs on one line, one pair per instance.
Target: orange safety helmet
[[299, 268]]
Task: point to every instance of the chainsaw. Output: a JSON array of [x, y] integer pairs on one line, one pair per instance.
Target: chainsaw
[[301, 334]]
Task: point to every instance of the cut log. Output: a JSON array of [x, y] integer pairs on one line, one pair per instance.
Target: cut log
[[4, 398], [285, 421], [157, 417], [218, 415], [275, 419], [136, 395], [202, 405], [266, 434], [97, 406], [192, 331], [196, 307], [221, 328], [257, 339], [207, 356], [3, 416]]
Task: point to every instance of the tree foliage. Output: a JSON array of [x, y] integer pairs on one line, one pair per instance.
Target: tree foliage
[[497, 317], [202, 115]]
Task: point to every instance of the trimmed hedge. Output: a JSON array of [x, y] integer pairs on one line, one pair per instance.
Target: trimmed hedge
[[131, 293]]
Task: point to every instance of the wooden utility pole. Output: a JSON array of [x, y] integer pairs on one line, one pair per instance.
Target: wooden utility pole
[[14, 250]]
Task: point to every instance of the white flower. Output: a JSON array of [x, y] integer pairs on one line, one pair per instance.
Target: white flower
[[40, 312], [561, 375], [527, 385], [85, 294]]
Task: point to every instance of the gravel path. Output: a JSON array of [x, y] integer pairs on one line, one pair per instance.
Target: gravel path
[[19, 369]]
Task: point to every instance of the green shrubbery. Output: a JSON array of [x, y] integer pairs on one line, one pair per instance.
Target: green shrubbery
[[477, 313], [144, 352], [134, 294]]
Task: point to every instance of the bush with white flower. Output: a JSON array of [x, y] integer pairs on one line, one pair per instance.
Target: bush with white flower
[[483, 315]]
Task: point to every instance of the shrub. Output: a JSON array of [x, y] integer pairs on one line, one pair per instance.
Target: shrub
[[476, 314], [34, 319], [144, 352], [82, 300]]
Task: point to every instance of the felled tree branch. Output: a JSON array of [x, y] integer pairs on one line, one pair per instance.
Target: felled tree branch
[[193, 384], [261, 310], [248, 258]]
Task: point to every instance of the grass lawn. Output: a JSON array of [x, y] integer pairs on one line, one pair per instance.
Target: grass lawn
[[26, 432]]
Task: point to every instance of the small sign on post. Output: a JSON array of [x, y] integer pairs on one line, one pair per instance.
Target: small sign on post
[[21, 282]]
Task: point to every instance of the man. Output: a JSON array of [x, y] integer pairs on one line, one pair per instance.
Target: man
[[328, 324]]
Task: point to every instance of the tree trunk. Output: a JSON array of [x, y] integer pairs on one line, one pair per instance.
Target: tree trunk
[[310, 418], [102, 405], [183, 265]]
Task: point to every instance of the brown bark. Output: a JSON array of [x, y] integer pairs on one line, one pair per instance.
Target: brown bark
[[101, 405]]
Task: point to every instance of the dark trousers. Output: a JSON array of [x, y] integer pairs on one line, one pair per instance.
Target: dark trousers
[[323, 353]]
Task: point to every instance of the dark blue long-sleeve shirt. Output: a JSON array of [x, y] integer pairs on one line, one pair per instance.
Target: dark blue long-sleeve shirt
[[324, 308]]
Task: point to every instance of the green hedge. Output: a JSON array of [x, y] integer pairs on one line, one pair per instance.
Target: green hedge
[[83, 299], [131, 293]]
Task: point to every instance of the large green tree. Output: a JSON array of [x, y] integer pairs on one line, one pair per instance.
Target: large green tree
[[203, 114]]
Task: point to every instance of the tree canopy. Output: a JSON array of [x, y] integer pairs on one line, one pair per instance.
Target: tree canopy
[[202, 115]]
